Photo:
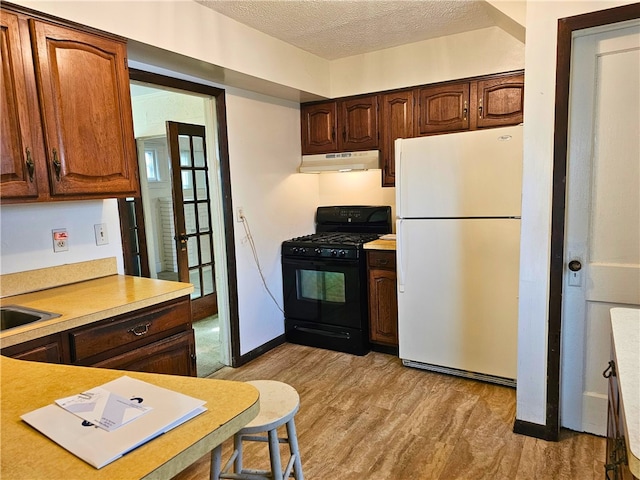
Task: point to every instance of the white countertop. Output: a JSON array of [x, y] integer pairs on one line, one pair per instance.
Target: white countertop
[[625, 325]]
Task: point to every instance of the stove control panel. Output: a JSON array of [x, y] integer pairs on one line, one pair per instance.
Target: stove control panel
[[321, 252]]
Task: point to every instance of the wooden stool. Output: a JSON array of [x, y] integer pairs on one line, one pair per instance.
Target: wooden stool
[[279, 403]]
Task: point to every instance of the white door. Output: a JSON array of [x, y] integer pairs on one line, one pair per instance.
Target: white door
[[603, 214]]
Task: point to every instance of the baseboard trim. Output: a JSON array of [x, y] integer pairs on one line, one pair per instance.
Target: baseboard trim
[[256, 352], [535, 430]]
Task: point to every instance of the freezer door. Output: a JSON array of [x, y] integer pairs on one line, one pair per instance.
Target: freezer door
[[467, 174], [458, 293]]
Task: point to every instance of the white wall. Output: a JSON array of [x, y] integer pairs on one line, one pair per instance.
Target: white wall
[[540, 67], [186, 27], [355, 188], [26, 239], [480, 52], [278, 203]]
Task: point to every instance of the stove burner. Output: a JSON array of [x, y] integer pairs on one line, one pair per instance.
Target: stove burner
[[337, 238]]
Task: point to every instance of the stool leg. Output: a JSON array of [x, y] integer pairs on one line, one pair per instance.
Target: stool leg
[[237, 444], [293, 448], [274, 455], [216, 463]]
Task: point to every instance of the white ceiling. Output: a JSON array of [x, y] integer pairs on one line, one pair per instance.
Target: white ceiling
[[335, 29]]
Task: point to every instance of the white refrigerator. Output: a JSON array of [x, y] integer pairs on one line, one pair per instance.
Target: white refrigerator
[[458, 199]]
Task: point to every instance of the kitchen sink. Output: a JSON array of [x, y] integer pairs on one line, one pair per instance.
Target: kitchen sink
[[14, 316]]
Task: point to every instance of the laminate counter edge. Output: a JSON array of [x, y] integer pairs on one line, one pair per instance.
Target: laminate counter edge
[[380, 245], [89, 301], [26, 453]]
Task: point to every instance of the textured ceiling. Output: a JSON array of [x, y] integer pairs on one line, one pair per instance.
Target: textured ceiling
[[335, 29]]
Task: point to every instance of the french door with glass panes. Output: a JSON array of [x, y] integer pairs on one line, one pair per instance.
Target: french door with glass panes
[[192, 215]]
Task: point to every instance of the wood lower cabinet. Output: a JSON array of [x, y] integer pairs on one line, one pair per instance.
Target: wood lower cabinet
[[49, 349], [616, 465], [383, 299], [156, 339], [175, 354], [69, 131], [340, 126]]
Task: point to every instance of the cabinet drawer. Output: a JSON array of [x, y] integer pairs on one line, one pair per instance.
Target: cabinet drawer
[[381, 259], [128, 329], [175, 354]]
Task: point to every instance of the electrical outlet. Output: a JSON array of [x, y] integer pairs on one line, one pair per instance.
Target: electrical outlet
[[101, 233], [239, 214], [60, 240]]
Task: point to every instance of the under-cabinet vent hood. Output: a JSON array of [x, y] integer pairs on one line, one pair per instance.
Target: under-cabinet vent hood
[[340, 162]]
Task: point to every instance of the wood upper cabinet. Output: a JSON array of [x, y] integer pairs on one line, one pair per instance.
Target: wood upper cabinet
[[500, 101], [486, 102], [396, 121], [319, 123], [21, 141], [70, 113], [358, 124], [443, 108], [340, 126]]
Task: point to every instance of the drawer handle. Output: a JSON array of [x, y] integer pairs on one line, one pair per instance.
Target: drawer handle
[[140, 330], [383, 262]]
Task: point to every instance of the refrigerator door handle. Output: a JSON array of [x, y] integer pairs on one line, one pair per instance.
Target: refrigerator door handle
[[398, 167], [400, 255]]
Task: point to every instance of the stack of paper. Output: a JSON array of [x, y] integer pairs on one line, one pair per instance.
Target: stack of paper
[[105, 423]]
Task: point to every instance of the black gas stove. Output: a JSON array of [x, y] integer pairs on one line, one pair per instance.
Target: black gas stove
[[324, 278], [328, 244]]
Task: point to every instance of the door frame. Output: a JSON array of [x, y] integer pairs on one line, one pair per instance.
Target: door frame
[[225, 186], [566, 27]]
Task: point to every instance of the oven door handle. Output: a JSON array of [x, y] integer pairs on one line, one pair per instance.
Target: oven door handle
[[323, 264], [315, 331]]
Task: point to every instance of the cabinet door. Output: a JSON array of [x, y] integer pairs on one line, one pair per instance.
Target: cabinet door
[[383, 297], [358, 124], [318, 127], [500, 101], [174, 355], [46, 349], [21, 138], [383, 305], [396, 122], [84, 93], [443, 108]]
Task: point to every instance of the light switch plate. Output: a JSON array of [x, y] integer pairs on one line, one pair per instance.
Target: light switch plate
[[102, 238]]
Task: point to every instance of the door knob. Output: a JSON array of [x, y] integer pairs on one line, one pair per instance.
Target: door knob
[[575, 265]]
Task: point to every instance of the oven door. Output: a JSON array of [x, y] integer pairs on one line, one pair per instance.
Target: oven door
[[324, 291]]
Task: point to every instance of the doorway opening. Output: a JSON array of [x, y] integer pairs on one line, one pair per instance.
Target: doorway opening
[[179, 216]]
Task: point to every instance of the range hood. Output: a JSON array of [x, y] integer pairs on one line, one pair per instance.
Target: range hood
[[340, 162]]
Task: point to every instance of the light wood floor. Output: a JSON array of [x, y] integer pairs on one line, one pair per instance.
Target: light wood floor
[[370, 418]]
